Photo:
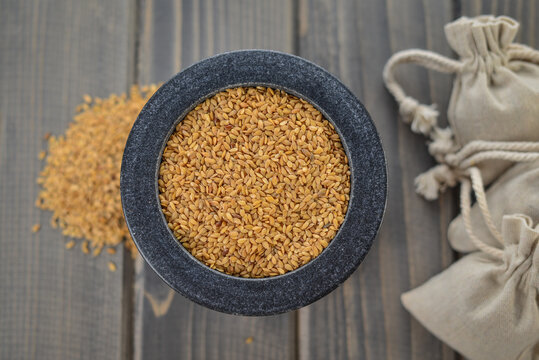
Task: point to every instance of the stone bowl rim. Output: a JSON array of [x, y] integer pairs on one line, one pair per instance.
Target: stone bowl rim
[[157, 121]]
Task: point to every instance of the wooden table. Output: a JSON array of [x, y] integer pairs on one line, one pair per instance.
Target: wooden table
[[58, 304]]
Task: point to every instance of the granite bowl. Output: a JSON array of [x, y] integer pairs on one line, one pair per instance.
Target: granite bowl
[[173, 263]]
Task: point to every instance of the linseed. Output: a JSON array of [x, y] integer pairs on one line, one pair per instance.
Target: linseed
[[84, 247], [112, 266], [254, 182], [81, 179]]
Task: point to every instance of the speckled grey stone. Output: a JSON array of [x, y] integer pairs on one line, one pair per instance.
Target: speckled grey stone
[[179, 269]]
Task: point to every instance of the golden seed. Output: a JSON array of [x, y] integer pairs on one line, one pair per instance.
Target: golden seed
[[97, 250], [80, 182], [70, 244], [249, 340], [36, 228], [85, 248], [112, 266], [249, 180]]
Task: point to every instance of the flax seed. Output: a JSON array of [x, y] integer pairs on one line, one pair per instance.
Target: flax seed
[[279, 178]]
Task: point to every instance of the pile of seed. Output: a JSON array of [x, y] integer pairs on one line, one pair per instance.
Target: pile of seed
[[254, 182], [81, 179]]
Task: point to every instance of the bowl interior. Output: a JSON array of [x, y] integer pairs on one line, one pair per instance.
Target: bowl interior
[[182, 271], [171, 131]]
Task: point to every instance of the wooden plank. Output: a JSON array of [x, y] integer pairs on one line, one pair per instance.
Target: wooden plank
[[364, 318], [524, 11], [54, 304], [173, 35]]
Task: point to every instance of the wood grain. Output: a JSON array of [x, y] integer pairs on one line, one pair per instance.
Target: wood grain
[[173, 35], [58, 304], [524, 11], [54, 304], [364, 318]]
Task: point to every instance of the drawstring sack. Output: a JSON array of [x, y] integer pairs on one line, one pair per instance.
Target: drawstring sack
[[485, 305], [495, 99], [516, 191]]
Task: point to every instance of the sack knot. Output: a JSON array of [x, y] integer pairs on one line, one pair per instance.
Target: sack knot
[[422, 117], [436, 180], [442, 144]]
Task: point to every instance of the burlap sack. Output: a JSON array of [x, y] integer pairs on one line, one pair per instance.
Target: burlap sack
[[515, 192], [485, 306], [495, 96]]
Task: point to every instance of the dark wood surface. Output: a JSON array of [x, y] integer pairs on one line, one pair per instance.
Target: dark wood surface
[[364, 318], [54, 304], [58, 304], [525, 11], [173, 35]]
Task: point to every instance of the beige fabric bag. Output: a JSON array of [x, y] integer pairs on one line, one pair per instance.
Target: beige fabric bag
[[495, 98], [515, 192], [485, 305], [495, 95]]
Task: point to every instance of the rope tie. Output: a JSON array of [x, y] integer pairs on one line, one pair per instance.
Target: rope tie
[[479, 190], [454, 165], [461, 166], [436, 180], [523, 52], [423, 118], [480, 145], [465, 206], [442, 143], [457, 165]]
